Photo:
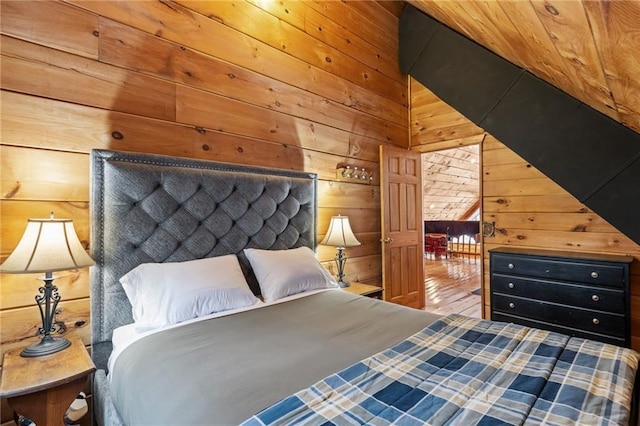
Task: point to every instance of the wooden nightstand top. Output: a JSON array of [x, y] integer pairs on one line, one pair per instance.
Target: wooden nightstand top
[[363, 289], [21, 376]]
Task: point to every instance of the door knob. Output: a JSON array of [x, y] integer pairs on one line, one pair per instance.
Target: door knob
[[386, 240]]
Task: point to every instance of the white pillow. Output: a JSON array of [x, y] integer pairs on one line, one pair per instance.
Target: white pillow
[[168, 293], [282, 273]]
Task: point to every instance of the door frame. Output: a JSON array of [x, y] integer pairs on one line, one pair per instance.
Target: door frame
[[422, 149]]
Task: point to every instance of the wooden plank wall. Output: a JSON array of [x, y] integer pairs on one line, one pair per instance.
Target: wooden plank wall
[[529, 209], [296, 85]]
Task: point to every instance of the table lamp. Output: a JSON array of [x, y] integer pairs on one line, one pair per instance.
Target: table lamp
[[340, 236], [47, 245]]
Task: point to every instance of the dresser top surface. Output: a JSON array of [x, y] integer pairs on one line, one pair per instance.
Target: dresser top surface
[[603, 257]]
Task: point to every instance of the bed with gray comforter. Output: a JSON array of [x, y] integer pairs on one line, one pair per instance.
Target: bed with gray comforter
[[150, 208], [222, 371]]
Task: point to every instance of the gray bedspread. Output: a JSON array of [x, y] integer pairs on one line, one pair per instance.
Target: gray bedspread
[[223, 371]]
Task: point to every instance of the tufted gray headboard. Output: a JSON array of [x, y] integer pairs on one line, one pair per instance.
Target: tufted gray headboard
[[151, 208]]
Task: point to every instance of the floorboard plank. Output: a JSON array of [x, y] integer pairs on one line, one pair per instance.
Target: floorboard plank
[[449, 283]]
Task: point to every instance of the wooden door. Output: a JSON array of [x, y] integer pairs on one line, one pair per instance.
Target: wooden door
[[402, 226]]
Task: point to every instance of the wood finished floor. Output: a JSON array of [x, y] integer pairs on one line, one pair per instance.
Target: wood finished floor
[[449, 283]]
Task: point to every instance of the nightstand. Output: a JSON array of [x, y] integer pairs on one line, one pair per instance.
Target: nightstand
[[42, 388], [362, 289]]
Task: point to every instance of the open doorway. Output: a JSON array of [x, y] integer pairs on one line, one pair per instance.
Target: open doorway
[[451, 214]]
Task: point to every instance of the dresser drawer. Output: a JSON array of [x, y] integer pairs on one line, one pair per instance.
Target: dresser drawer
[[499, 316], [582, 296], [569, 316], [603, 274]]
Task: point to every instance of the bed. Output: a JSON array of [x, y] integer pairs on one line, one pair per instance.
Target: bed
[[172, 349]]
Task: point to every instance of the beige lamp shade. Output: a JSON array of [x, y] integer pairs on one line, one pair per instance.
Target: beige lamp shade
[[340, 233], [47, 245]]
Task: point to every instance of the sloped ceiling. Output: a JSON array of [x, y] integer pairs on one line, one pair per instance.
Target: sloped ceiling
[[451, 183], [590, 49]]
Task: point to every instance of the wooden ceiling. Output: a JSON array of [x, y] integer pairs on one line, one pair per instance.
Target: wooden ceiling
[[588, 49], [450, 183]]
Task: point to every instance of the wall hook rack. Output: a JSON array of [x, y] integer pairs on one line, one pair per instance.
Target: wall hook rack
[[347, 172]]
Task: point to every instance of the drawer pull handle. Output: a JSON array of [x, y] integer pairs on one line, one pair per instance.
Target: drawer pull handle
[[594, 274], [512, 305], [596, 321], [595, 298], [511, 285], [511, 266]]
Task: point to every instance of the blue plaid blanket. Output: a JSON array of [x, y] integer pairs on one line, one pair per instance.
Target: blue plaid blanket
[[467, 371]]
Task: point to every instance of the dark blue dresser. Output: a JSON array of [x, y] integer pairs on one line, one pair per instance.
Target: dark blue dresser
[[579, 294]]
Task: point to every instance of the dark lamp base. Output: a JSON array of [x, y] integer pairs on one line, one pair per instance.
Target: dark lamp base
[[343, 284], [47, 346]]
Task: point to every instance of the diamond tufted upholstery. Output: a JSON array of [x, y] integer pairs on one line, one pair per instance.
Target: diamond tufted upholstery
[[150, 208]]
